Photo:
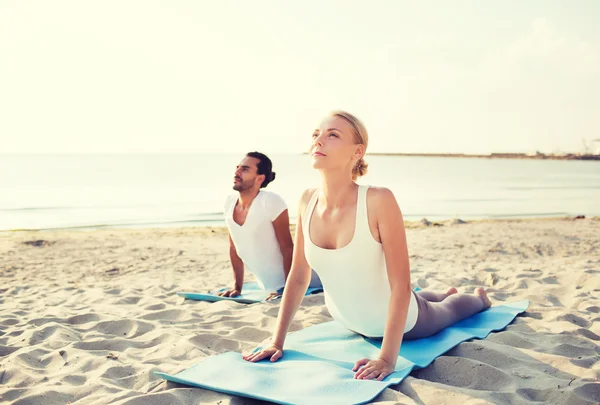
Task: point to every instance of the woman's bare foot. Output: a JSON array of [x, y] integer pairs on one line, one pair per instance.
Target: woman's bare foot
[[451, 291], [483, 295]]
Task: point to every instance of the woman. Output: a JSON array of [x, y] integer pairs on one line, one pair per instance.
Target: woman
[[353, 237]]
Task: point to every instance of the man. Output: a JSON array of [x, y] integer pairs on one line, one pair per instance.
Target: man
[[259, 228]]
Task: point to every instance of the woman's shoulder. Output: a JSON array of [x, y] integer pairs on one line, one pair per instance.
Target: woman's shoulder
[[380, 198], [379, 193], [305, 198]]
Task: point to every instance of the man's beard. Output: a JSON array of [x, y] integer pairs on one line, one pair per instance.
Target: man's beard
[[242, 186]]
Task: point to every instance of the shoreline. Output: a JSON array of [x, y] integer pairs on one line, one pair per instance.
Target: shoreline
[[569, 156], [519, 156], [408, 224]]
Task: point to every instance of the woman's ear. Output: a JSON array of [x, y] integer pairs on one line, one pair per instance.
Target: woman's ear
[[360, 152]]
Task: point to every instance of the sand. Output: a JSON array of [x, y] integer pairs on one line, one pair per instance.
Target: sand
[[87, 316]]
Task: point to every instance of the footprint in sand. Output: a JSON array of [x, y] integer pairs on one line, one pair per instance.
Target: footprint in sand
[[594, 309], [124, 327], [590, 392], [215, 344], [588, 334], [123, 376], [586, 362], [574, 319], [54, 335], [249, 333], [83, 318], [466, 373], [9, 322], [75, 380], [166, 398], [49, 397], [512, 339], [6, 350], [553, 396], [167, 315], [40, 359]]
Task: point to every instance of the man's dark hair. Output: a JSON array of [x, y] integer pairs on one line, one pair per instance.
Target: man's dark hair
[[264, 167]]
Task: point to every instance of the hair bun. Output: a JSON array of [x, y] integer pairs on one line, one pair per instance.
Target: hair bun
[[360, 169]]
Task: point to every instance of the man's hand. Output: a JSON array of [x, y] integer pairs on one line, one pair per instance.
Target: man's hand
[[230, 293], [273, 296], [372, 369]]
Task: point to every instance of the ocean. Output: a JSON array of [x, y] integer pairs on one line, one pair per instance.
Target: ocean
[[156, 190]]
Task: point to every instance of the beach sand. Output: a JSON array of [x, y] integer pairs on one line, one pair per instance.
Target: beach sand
[[86, 317]]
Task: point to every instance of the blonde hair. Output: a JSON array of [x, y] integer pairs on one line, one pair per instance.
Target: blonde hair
[[361, 137]]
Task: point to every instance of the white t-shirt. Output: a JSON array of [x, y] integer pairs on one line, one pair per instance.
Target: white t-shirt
[[256, 242]]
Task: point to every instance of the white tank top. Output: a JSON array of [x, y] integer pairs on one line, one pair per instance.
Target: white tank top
[[354, 277]]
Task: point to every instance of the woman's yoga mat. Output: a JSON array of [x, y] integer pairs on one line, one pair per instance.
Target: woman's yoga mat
[[251, 293], [316, 367]]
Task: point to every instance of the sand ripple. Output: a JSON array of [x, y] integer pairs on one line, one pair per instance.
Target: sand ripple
[[75, 330]]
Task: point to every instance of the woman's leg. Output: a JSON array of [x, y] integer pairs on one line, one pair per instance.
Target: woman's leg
[[435, 296], [435, 316]]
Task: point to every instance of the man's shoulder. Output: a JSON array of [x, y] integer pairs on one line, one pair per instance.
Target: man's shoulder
[[271, 204], [269, 194], [231, 199], [270, 197]]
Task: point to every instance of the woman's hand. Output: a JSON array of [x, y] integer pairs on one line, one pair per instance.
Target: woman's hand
[[372, 369], [272, 351], [230, 293]]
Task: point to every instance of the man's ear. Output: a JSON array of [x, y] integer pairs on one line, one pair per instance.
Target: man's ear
[[260, 179]]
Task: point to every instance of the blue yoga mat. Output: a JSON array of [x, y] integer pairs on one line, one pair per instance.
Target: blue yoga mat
[[251, 293], [316, 367]]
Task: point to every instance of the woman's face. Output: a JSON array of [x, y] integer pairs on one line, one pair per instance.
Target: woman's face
[[333, 145]]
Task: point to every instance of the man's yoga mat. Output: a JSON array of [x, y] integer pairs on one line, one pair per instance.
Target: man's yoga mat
[[251, 293], [316, 367]]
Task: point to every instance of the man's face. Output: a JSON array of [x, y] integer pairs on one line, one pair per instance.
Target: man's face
[[246, 174]]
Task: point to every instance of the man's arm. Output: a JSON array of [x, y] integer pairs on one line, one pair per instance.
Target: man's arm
[[284, 237], [238, 272]]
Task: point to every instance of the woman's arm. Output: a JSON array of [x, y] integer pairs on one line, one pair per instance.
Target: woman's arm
[[295, 288], [390, 226], [393, 239]]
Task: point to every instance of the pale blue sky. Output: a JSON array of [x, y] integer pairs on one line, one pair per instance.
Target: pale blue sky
[[225, 76]]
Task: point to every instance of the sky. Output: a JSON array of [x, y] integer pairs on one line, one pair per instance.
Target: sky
[[232, 76]]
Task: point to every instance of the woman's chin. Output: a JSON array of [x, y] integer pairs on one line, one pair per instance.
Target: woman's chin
[[316, 164]]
